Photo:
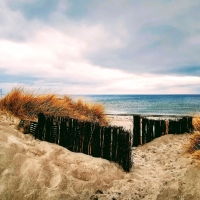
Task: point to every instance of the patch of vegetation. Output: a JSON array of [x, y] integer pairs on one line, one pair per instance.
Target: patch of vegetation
[[194, 145], [26, 105]]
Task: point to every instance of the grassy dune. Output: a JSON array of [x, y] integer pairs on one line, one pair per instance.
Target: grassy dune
[[25, 105]]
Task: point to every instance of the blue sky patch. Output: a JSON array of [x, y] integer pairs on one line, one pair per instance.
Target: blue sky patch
[[39, 9], [8, 78]]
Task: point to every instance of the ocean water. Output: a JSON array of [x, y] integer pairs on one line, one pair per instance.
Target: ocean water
[[146, 104]]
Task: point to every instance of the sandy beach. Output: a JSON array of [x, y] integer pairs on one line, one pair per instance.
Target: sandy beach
[[124, 121], [33, 169]]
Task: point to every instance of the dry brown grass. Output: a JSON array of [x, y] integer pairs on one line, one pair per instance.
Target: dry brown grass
[[23, 104], [193, 147], [196, 123], [194, 144]]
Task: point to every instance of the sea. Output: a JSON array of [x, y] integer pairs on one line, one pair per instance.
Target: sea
[[146, 104]]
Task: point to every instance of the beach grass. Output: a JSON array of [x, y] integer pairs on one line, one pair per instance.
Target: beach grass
[[193, 147], [26, 105], [196, 122]]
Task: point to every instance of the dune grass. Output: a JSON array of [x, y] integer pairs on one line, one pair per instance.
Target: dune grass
[[25, 105], [196, 122], [193, 147]]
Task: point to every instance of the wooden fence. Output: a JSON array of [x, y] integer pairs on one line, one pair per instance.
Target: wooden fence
[[146, 129], [111, 143]]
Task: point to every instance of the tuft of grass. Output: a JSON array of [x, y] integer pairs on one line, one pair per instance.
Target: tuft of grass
[[196, 154], [193, 147], [196, 123], [26, 105]]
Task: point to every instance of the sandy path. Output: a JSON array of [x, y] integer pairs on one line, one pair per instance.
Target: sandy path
[[32, 169]]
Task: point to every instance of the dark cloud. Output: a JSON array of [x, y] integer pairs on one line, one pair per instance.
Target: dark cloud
[[157, 35]]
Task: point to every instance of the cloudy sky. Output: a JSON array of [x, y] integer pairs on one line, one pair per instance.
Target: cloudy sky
[[101, 46]]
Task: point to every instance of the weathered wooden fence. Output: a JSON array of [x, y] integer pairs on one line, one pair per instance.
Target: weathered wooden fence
[[111, 143], [146, 129]]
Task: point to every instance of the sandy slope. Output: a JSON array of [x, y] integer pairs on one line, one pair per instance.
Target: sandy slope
[[31, 169]]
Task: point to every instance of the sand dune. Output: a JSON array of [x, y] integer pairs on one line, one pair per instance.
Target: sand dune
[[33, 169]]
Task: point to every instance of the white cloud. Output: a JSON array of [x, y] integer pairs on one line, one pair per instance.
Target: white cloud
[[59, 59], [60, 56], [51, 53]]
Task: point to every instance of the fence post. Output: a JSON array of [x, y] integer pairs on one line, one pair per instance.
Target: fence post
[[107, 142], [136, 130], [190, 126], [102, 129], [158, 129], [141, 130], [95, 143], [150, 131], [41, 124], [144, 130]]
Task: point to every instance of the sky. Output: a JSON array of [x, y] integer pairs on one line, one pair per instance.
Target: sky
[[100, 47]]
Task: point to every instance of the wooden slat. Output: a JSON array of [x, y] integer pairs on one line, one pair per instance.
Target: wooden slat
[[33, 127], [136, 131]]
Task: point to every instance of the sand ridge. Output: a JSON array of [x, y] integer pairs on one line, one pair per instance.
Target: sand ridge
[[33, 169]]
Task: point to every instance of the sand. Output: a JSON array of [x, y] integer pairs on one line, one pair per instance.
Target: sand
[[33, 169], [123, 121]]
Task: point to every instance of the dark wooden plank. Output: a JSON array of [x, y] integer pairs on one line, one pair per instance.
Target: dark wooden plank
[[107, 142], [150, 130], [69, 134], [136, 131], [158, 130], [49, 124], [115, 143], [170, 127], [120, 148], [54, 135], [96, 142], [63, 131], [127, 162], [144, 130], [184, 124], [178, 127], [92, 129], [190, 125], [153, 130], [163, 127], [75, 131], [86, 137], [41, 125], [102, 132]]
